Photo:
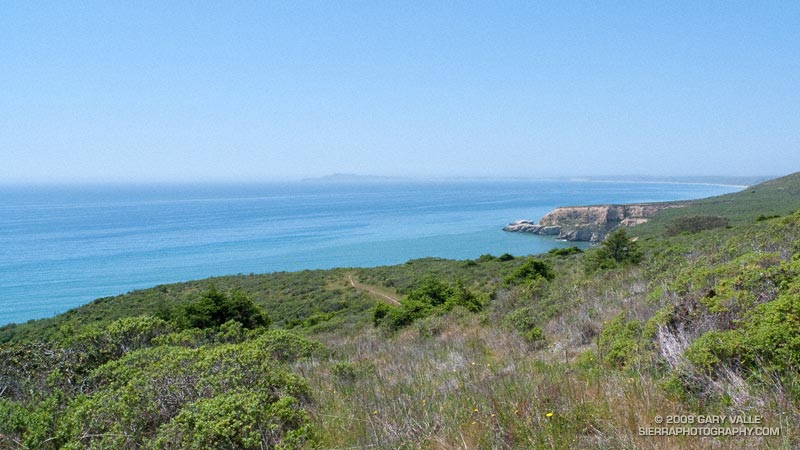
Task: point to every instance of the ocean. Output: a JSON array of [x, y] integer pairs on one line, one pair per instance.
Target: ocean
[[63, 246]]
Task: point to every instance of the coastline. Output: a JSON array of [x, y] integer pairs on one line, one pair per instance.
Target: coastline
[[76, 245]]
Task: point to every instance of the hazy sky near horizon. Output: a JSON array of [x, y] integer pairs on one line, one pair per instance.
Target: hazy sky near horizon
[[185, 91]]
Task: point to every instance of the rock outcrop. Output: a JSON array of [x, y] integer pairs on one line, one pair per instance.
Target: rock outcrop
[[588, 223]]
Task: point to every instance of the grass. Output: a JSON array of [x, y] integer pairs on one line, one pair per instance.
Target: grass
[[475, 386]]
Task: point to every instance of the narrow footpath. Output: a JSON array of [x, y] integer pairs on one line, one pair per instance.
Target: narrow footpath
[[374, 291]]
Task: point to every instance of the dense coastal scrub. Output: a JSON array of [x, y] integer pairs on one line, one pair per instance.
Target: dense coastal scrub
[[692, 318]]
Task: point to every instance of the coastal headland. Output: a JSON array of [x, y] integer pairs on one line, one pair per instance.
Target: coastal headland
[[589, 223]]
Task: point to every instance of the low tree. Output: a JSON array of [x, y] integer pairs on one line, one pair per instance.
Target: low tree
[[616, 250], [531, 270], [215, 308]]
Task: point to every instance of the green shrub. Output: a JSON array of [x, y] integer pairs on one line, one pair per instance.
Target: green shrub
[[616, 250], [741, 284], [768, 338], [284, 345], [661, 318], [344, 371], [431, 291], [32, 426], [565, 251], [135, 398], [192, 337], [215, 308], [619, 341], [771, 334], [100, 344], [535, 336], [463, 297], [524, 319], [407, 313], [432, 296], [694, 224], [533, 269], [379, 313], [243, 421], [708, 352]]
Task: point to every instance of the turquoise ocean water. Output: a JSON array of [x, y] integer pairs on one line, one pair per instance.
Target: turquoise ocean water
[[62, 246]]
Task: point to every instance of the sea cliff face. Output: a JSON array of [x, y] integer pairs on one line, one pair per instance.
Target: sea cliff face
[[588, 223]]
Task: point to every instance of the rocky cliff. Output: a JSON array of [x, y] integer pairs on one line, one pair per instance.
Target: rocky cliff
[[588, 223]]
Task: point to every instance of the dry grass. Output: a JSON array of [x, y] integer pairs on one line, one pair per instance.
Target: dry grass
[[453, 383]]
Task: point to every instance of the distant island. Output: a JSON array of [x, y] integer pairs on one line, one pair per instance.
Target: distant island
[[352, 178]]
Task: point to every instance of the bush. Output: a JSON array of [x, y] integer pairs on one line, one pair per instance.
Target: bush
[[533, 269], [616, 250], [695, 224], [432, 292], [215, 308], [708, 352], [100, 344], [461, 296], [162, 393], [432, 296], [768, 338], [535, 336], [344, 371], [379, 313], [286, 346], [407, 313], [236, 421], [619, 341], [565, 251]]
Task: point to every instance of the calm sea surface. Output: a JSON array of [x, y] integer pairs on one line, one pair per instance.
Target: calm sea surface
[[63, 246]]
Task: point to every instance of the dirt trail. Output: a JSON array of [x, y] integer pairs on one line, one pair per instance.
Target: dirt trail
[[373, 290]]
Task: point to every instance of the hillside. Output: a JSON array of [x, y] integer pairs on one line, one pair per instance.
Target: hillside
[[777, 197], [593, 222], [569, 349]]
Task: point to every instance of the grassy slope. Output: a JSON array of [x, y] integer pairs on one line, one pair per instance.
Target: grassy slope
[[287, 296], [780, 196]]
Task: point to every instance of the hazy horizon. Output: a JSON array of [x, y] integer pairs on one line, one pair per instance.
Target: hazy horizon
[[731, 180], [181, 92]]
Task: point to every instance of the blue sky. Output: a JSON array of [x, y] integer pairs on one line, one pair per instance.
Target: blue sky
[[188, 91]]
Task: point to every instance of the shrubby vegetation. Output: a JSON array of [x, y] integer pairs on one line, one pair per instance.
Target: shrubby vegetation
[[615, 251], [432, 296], [201, 380], [216, 308], [568, 349], [695, 224], [565, 251]]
